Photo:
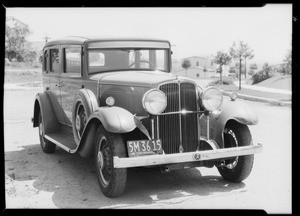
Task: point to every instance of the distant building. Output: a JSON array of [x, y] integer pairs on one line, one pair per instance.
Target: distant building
[[201, 68]]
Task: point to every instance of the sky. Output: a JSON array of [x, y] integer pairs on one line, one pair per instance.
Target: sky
[[200, 31]]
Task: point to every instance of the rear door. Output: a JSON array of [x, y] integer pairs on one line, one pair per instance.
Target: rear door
[[45, 69], [54, 71]]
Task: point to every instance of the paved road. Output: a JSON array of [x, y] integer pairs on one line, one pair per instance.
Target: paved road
[[61, 180]]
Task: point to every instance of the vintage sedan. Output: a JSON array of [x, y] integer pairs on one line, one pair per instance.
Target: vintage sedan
[[115, 99]]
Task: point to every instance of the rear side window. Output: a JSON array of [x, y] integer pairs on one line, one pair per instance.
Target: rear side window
[[72, 60], [45, 57], [54, 60]]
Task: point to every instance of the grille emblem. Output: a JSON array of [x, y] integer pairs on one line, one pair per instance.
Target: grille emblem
[[196, 156]]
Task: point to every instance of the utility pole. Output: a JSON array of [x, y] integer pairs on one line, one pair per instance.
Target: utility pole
[[46, 38], [240, 81], [245, 69]]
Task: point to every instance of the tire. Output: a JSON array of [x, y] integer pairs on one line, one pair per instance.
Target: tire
[[112, 181], [238, 168], [80, 115], [47, 146]]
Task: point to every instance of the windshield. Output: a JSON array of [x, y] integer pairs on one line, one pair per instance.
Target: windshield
[[100, 60]]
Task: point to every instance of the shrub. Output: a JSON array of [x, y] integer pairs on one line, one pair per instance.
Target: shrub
[[260, 76], [264, 74], [225, 80]]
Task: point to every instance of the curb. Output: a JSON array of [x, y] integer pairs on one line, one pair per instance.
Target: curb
[[259, 99]]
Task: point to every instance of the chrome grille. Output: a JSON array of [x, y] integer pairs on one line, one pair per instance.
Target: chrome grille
[[179, 128]]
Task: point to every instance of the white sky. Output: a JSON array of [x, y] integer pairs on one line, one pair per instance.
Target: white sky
[[194, 31]]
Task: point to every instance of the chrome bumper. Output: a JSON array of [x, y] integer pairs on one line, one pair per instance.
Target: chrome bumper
[[153, 160]]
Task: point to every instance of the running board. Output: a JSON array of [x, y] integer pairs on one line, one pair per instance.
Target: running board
[[64, 139]]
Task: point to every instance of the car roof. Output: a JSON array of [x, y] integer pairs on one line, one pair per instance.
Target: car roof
[[80, 40]]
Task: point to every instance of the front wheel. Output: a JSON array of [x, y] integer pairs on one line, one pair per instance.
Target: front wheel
[[112, 181], [238, 168]]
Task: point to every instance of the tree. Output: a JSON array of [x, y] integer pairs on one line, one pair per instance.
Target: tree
[[232, 72], [288, 62], [253, 67], [16, 37], [240, 52], [266, 69], [221, 59], [186, 64], [248, 54]]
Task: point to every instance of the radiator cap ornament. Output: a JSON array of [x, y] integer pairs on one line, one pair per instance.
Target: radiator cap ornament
[[180, 149]]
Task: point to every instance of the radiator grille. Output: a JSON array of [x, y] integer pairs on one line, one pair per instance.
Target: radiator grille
[[179, 96]]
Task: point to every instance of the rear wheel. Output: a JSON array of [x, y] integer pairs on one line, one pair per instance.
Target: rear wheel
[[47, 146], [238, 168], [112, 181]]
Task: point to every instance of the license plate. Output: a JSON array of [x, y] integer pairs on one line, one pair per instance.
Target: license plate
[[144, 147]]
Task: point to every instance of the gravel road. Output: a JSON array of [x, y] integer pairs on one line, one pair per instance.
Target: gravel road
[[61, 180]]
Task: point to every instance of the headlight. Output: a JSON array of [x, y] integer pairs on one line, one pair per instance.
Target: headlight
[[212, 99], [154, 101]]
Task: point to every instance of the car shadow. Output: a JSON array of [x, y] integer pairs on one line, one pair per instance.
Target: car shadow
[[71, 181]]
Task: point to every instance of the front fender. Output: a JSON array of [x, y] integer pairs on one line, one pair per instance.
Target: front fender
[[231, 110], [115, 119], [239, 111]]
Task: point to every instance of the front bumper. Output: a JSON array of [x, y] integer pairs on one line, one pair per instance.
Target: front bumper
[[153, 160]]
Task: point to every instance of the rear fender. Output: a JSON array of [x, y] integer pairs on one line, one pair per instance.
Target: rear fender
[[50, 110], [231, 110]]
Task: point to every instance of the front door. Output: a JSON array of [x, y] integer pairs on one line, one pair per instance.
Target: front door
[[70, 79]]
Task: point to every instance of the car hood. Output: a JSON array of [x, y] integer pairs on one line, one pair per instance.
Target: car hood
[[134, 78]]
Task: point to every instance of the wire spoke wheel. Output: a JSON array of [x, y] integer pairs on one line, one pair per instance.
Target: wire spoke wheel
[[81, 119], [236, 169], [41, 134], [104, 164], [232, 142], [47, 146], [112, 181]]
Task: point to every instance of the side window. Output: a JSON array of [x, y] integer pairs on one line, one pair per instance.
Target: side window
[[45, 57], [54, 60], [161, 57], [72, 60], [96, 61]]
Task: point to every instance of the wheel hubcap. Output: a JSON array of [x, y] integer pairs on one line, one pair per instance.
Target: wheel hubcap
[[100, 160], [78, 122], [41, 134], [103, 161], [41, 129]]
